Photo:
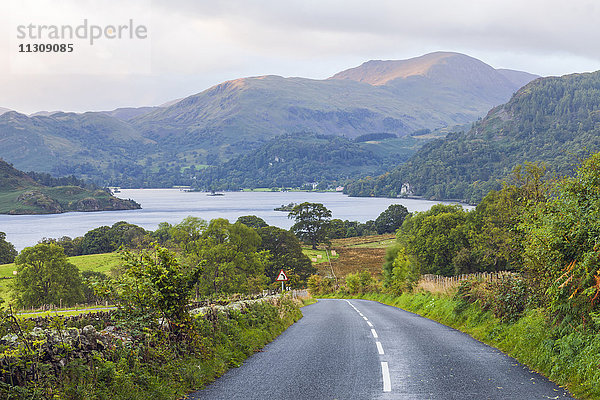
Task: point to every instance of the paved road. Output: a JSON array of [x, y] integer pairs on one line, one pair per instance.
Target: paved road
[[360, 349]]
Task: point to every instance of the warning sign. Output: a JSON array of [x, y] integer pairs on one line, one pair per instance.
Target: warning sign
[[282, 276]]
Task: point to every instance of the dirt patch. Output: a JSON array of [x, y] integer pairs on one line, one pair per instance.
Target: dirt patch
[[354, 259]]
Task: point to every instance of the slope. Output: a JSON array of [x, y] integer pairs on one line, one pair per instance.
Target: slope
[[555, 120], [20, 194]]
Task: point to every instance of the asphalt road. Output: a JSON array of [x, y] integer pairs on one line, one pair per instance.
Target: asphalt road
[[360, 349]]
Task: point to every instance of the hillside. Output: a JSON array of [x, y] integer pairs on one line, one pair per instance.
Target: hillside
[[20, 194], [294, 160], [555, 120], [399, 97], [150, 146]]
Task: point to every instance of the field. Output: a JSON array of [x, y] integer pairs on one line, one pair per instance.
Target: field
[[93, 262], [364, 253], [375, 241], [314, 255]]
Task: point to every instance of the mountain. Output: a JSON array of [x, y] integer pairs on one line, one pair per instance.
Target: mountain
[[42, 143], [553, 120], [131, 146], [399, 97], [4, 110], [20, 194], [127, 113]]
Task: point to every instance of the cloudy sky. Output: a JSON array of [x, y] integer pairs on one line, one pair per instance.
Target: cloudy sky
[[191, 45]]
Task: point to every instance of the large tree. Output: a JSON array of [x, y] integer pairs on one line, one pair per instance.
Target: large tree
[[391, 219], [286, 253], [312, 222], [45, 276], [252, 221], [229, 259], [7, 250], [435, 237]]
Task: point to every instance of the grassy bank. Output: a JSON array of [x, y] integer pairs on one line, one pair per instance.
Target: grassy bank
[[571, 360]]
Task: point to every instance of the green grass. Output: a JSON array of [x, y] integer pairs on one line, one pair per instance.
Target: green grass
[[314, 253], [97, 262], [92, 262], [64, 313]]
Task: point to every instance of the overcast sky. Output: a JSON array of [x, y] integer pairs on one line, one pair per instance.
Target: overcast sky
[[194, 44]]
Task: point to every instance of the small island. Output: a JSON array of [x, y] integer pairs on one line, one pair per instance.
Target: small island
[[287, 208], [21, 194]]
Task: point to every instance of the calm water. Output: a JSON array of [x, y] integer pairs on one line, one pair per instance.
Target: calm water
[[172, 205]]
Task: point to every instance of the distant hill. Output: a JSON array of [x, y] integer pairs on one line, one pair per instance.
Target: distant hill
[[127, 113], [4, 110], [293, 160], [20, 194], [555, 120], [141, 146]]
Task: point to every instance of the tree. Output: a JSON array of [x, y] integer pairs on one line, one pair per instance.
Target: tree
[[337, 229], [435, 237], [155, 287], [229, 259], [187, 232], [561, 246], [391, 219], [252, 221], [7, 250], [286, 253], [312, 222], [45, 276], [107, 239]]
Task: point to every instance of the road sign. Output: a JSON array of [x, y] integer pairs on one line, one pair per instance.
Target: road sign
[[282, 276]]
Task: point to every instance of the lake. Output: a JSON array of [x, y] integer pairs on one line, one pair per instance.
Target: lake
[[173, 205]]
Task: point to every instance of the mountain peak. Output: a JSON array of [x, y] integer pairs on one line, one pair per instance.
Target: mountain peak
[[439, 65], [380, 72]]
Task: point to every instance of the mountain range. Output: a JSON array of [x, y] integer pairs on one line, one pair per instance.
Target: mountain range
[[235, 117], [554, 120]]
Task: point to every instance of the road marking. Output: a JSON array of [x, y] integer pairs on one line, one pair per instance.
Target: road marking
[[374, 333], [387, 382], [365, 318], [370, 324], [379, 348]]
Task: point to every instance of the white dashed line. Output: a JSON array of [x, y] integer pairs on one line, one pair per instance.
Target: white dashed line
[[385, 370], [387, 382]]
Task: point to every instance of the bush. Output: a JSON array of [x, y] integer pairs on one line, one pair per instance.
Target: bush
[[361, 283], [507, 298], [317, 285]]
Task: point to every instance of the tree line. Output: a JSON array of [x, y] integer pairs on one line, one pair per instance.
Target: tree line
[[223, 257], [544, 228]]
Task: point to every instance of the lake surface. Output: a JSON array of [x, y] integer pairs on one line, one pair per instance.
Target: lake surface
[[173, 205]]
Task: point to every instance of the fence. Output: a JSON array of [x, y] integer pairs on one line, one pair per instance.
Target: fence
[[437, 283]]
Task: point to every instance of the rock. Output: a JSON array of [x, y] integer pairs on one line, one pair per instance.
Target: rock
[[89, 330]]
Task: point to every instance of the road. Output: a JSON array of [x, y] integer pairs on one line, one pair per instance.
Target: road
[[359, 349]]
